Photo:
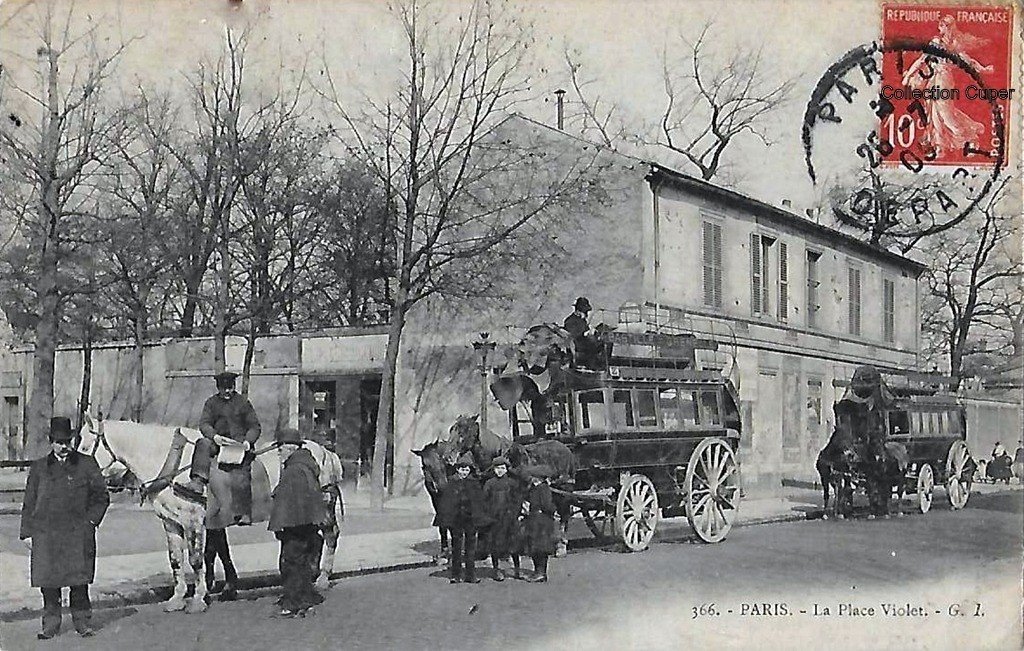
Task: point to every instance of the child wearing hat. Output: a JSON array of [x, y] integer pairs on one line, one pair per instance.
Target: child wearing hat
[[540, 521], [461, 510], [504, 501]]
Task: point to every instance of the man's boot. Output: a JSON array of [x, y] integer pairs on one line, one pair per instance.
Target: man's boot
[[199, 473], [81, 610], [51, 613]]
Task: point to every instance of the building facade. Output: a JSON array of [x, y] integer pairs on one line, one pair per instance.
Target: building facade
[[794, 305]]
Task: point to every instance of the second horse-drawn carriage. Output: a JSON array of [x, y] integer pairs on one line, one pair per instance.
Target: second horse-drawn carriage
[[905, 438]]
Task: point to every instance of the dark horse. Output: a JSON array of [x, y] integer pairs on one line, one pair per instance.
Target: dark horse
[[437, 460], [835, 464]]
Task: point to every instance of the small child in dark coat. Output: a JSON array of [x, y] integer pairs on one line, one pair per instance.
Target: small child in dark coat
[[504, 499], [461, 510], [540, 521]]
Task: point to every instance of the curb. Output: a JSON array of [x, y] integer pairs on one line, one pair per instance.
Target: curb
[[256, 584]]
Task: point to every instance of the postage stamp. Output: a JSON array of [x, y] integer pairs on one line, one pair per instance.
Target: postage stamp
[[943, 68]]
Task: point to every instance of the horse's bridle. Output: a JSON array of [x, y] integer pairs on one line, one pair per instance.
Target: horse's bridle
[[102, 439]]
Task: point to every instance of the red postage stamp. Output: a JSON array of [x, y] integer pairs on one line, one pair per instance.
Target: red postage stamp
[[946, 72]]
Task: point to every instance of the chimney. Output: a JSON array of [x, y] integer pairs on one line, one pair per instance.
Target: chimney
[[560, 103], [786, 203]]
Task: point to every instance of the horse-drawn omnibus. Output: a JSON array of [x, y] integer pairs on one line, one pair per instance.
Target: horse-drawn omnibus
[[924, 431], [651, 435], [933, 427]]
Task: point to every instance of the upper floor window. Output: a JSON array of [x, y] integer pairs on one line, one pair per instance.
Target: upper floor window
[[769, 268], [813, 282], [712, 257], [888, 310], [853, 299]]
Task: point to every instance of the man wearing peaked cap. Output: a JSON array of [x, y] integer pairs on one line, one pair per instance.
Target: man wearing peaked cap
[[295, 518], [65, 500], [230, 415]]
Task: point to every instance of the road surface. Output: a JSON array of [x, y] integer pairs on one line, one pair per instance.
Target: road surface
[[941, 580]]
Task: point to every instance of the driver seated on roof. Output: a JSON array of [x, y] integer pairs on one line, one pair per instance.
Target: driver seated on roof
[[588, 349]]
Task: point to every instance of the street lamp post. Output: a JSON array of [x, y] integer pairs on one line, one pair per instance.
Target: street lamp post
[[483, 347]]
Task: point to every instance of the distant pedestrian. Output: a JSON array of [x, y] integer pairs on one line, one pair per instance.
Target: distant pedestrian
[[1018, 461], [461, 510], [65, 500], [295, 518], [504, 500], [540, 521]]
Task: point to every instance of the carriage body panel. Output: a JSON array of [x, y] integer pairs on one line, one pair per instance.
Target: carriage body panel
[[629, 422]]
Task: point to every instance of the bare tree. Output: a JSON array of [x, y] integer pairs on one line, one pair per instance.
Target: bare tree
[[145, 178], [971, 268], [595, 114], [461, 193], [711, 103], [57, 139]]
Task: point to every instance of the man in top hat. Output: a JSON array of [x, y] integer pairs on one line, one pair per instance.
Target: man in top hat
[[587, 349], [461, 510], [65, 500], [295, 518], [227, 414]]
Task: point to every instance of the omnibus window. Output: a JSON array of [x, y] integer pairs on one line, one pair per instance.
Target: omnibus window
[[915, 422], [936, 423], [592, 410], [688, 407], [944, 422], [954, 422], [645, 410], [523, 422], [668, 403], [709, 408], [899, 423], [622, 408]]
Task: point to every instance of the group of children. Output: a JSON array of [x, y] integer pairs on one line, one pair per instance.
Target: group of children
[[515, 520]]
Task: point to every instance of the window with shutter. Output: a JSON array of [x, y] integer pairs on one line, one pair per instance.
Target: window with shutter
[[812, 288], [783, 282], [854, 300], [712, 254], [755, 273], [888, 310]]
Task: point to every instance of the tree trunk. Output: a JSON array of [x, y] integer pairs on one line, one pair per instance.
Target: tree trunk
[[86, 394], [250, 349], [223, 296], [385, 409], [40, 407], [140, 371], [188, 312]]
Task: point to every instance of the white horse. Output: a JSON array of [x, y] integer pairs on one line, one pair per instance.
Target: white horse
[[142, 449]]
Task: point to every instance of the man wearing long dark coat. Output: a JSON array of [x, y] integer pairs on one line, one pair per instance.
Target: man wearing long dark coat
[[65, 500], [295, 518]]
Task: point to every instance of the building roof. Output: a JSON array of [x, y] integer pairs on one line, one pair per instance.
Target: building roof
[[739, 200]]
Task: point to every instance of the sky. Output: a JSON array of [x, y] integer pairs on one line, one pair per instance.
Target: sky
[[620, 45]]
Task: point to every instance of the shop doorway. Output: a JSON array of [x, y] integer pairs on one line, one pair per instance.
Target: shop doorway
[[342, 411]]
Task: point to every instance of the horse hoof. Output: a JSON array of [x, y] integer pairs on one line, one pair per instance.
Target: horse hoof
[[824, 516], [871, 517], [174, 605], [322, 582], [195, 606]]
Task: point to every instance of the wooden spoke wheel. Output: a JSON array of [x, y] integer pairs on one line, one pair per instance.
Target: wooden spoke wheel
[[712, 490], [958, 487], [597, 520], [925, 487], [636, 512]]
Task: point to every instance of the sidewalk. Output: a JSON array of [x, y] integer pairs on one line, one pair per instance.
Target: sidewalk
[[145, 577]]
